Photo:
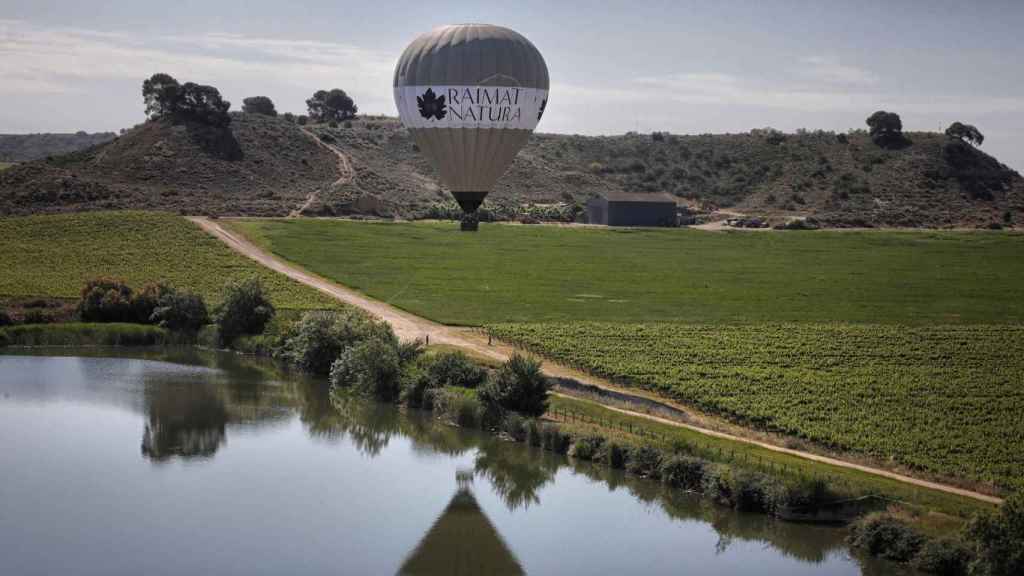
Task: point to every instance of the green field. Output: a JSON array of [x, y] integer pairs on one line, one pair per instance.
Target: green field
[[5, 165], [946, 400], [55, 255], [905, 346], [508, 273]]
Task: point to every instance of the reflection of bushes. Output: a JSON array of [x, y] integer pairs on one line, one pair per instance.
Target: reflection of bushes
[[185, 421]]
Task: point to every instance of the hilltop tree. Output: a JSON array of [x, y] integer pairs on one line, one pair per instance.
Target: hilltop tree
[[965, 133], [886, 129], [166, 98], [259, 105], [335, 105], [203, 104], [160, 92]]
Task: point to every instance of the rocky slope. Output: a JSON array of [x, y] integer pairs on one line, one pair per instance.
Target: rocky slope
[[268, 166]]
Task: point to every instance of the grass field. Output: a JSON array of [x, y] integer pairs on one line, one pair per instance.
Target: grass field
[[509, 273], [904, 346], [5, 165], [946, 400], [55, 255]]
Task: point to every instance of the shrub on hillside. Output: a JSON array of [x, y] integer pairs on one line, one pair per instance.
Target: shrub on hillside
[[886, 129], [997, 540], [244, 309], [164, 97], [181, 312], [887, 536], [519, 386], [106, 300], [334, 105], [966, 133], [259, 105]]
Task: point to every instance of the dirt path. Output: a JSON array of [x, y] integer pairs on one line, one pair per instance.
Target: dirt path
[[409, 326], [347, 173]]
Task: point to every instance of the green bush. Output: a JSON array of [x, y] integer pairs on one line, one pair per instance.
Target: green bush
[[644, 461], [244, 309], [553, 439], [884, 535], [5, 318], [414, 385], [532, 432], [587, 448], [456, 369], [457, 408], [806, 495], [180, 312], [519, 385], [106, 300], [943, 556], [145, 301], [718, 484], [998, 540], [371, 367], [515, 426], [684, 472], [314, 342], [614, 455], [83, 334], [752, 492]]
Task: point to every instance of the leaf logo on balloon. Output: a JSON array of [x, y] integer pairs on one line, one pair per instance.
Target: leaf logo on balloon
[[543, 104], [431, 105]]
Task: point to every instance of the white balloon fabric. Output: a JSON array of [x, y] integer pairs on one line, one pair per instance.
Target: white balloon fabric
[[470, 95]]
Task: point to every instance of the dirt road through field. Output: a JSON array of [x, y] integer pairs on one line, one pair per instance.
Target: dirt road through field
[[409, 326]]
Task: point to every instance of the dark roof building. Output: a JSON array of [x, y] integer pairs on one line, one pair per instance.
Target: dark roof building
[[632, 209]]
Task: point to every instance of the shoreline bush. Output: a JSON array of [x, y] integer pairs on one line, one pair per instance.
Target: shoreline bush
[[245, 310]]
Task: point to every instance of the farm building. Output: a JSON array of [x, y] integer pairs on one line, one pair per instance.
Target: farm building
[[632, 209]]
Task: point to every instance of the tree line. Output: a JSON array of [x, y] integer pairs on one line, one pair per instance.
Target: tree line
[[167, 99]]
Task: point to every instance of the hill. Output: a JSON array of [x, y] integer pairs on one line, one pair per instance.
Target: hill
[[261, 166], [371, 167], [24, 147]]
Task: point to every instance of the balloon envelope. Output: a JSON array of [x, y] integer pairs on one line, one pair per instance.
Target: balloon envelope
[[471, 94]]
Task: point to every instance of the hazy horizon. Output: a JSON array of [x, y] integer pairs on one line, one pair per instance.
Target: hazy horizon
[[700, 67]]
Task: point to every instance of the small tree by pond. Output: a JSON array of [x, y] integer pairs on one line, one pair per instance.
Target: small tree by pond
[[245, 309], [519, 386]]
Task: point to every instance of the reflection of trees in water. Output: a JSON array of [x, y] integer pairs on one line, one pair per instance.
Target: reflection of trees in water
[[516, 474], [189, 421], [461, 541], [804, 542], [183, 420]]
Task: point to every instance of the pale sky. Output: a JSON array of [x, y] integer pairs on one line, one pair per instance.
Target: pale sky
[[684, 67]]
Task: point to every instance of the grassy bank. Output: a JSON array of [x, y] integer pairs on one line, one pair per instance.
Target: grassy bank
[[55, 255], [85, 334], [944, 400], [582, 418], [508, 273]]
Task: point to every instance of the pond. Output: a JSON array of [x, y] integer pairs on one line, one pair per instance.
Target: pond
[[180, 461]]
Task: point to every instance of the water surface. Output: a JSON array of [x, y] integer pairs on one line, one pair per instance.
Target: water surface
[[185, 462]]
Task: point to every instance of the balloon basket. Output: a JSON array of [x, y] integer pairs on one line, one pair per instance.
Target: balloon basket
[[470, 222]]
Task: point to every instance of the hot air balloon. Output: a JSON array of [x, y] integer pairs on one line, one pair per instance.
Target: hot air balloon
[[470, 95]]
